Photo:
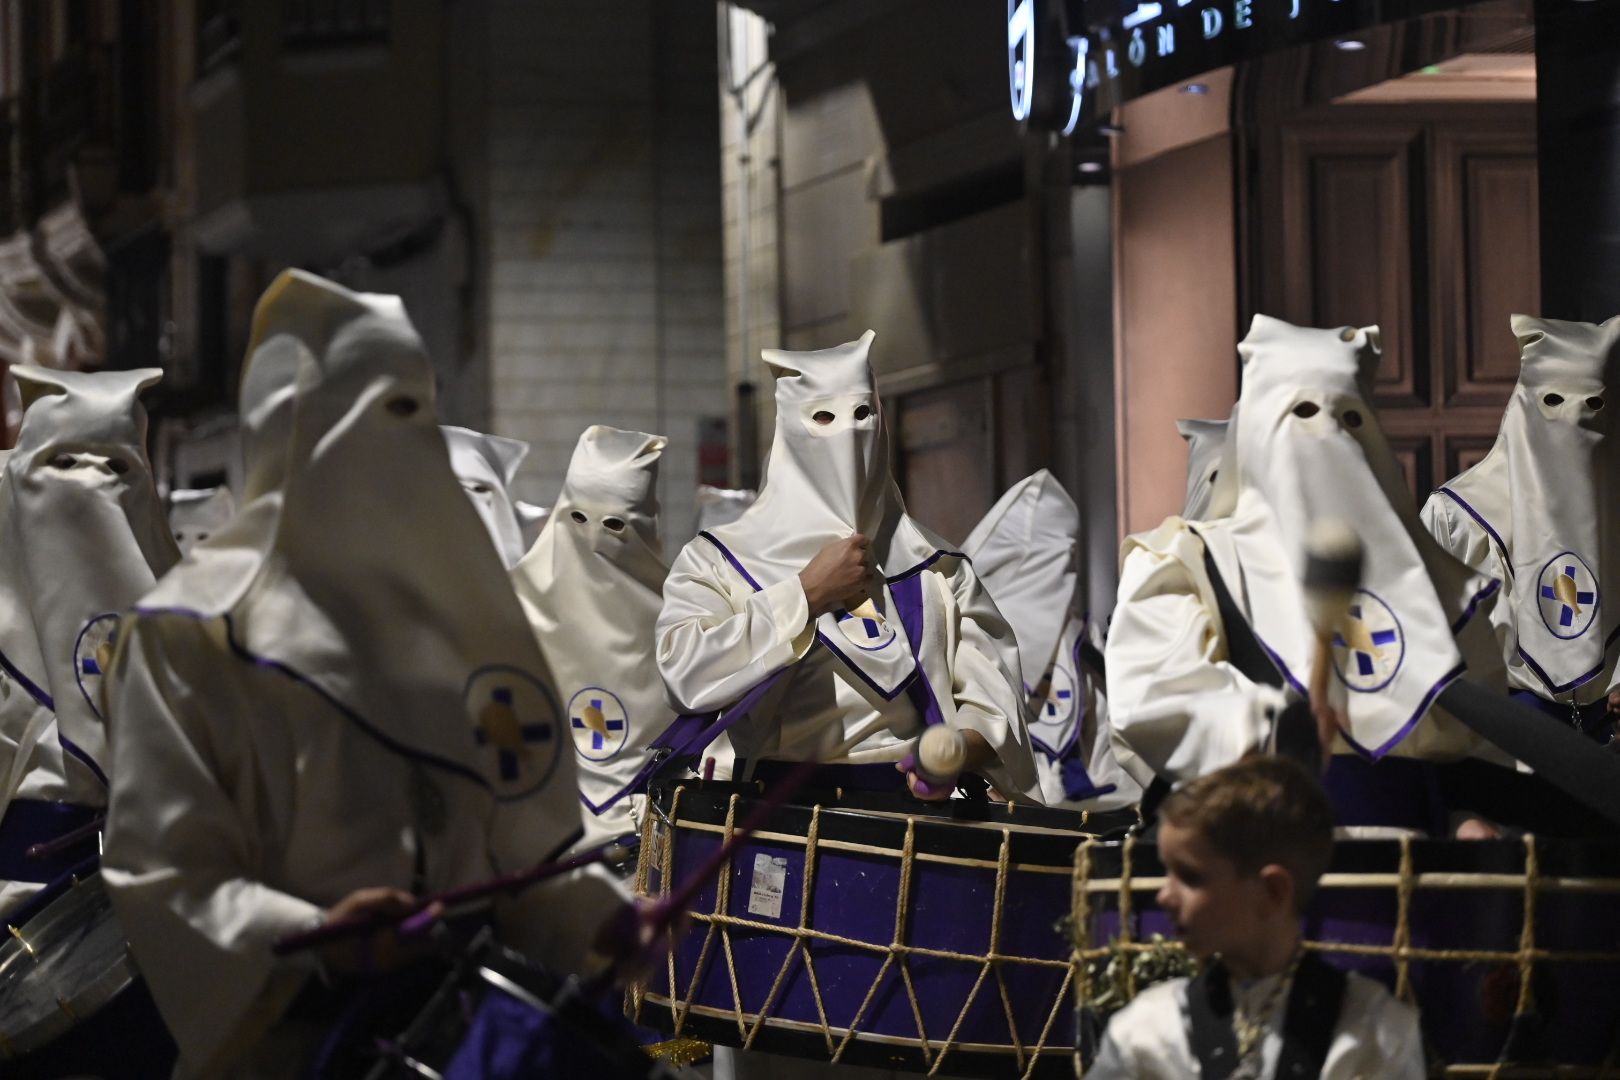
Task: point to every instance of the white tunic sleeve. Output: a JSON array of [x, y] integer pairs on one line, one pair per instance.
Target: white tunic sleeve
[[1460, 535], [180, 848], [986, 683], [718, 638], [1177, 705]]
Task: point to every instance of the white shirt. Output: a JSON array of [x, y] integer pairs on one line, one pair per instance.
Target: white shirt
[[1376, 1038]]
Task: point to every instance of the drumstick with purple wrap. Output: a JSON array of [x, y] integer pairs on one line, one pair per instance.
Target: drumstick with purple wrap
[[937, 758]]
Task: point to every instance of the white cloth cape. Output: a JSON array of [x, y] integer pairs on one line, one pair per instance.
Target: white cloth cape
[[735, 613], [1150, 1039], [338, 690], [591, 587], [82, 536], [1206, 447], [1024, 553], [721, 506], [195, 514], [1176, 701], [486, 465], [1540, 511]]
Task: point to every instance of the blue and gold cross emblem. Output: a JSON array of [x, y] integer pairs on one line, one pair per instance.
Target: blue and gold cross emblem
[[1368, 646], [1567, 594], [499, 726], [865, 629], [514, 720], [92, 656], [598, 723]]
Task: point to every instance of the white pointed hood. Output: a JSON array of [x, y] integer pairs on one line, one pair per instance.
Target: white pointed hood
[[84, 537], [1545, 495], [721, 506], [360, 570], [486, 465], [1309, 446], [592, 587], [195, 514], [1206, 448], [1024, 552], [829, 478]]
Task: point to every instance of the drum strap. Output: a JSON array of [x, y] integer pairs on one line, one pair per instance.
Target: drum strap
[[1314, 1002], [1243, 649]]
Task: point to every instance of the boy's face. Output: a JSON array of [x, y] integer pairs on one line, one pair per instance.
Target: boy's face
[[1215, 908]]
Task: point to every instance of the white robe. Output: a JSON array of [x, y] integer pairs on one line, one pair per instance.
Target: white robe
[[299, 710], [591, 589], [249, 805], [1304, 444], [1539, 505], [718, 638], [1150, 1039]]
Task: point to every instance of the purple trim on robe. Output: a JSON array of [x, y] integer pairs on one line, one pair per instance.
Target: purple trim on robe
[[1501, 547], [732, 559], [26, 683], [908, 604], [1530, 661], [388, 742], [1580, 680], [1490, 588], [885, 694]]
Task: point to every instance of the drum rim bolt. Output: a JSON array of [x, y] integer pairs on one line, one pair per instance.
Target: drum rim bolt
[[28, 946]]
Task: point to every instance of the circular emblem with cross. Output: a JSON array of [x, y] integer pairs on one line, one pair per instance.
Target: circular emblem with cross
[[1061, 696], [92, 656], [514, 717], [1369, 646], [866, 630], [1567, 594], [598, 722]]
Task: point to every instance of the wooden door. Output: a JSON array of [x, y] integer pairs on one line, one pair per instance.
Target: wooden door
[[1424, 221]]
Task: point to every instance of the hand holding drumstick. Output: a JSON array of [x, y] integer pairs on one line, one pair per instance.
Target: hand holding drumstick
[[1333, 557]]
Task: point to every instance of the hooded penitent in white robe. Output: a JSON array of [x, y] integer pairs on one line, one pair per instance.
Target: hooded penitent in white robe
[[931, 646], [337, 691], [721, 506], [1540, 512], [591, 587], [195, 514], [82, 537], [1150, 1039], [486, 466], [1307, 445], [1024, 553], [1206, 447]]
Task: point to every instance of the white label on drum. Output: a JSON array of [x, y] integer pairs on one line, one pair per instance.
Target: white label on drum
[[770, 883]]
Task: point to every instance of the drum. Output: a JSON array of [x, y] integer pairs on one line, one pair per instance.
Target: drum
[[71, 1000], [1510, 948], [870, 929], [495, 1016]]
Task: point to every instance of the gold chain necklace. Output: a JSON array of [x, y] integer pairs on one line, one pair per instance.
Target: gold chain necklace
[[1250, 1027]]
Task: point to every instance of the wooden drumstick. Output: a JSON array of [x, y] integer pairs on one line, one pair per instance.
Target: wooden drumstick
[[1333, 558], [937, 759]]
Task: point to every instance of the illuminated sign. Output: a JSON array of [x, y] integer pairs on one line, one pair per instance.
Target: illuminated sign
[[1088, 57]]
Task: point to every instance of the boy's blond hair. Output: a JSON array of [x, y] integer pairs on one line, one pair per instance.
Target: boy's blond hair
[[1259, 812]]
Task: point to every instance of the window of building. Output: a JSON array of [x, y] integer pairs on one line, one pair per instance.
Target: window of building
[[323, 23]]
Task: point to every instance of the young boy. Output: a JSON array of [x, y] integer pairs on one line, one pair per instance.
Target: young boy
[[1243, 848]]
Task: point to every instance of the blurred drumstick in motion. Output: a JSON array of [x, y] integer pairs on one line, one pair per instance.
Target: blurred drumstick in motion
[[1333, 558]]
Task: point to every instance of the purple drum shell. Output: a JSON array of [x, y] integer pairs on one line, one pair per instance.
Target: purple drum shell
[[855, 895], [1467, 1005]]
